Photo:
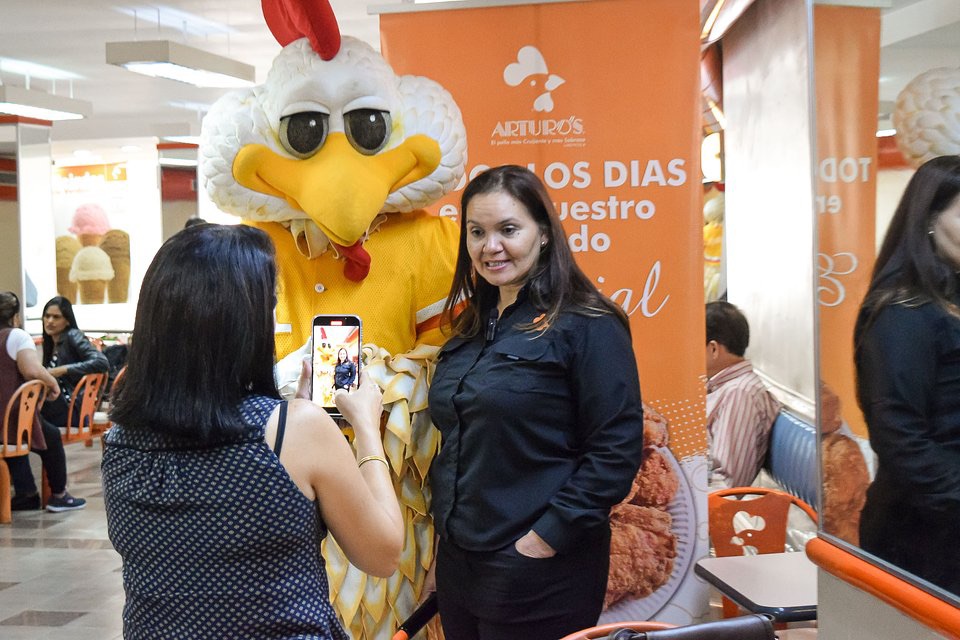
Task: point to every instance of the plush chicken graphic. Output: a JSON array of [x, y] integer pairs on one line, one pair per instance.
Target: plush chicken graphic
[[333, 157], [531, 69]]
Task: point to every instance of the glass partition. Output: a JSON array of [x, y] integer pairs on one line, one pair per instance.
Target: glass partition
[[866, 58]]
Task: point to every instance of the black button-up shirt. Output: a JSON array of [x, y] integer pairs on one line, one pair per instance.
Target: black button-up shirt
[[540, 431], [908, 365]]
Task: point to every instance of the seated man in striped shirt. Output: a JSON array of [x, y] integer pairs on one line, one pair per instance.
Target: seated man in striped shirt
[[740, 409]]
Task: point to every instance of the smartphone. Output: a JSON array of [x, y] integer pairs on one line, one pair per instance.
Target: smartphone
[[336, 357]]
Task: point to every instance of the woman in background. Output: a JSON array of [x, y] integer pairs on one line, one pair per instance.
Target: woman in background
[[907, 341], [538, 400], [217, 493], [23, 364], [344, 372], [68, 355], [19, 363]]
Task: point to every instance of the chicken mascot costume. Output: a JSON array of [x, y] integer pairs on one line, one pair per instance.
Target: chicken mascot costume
[[334, 157]]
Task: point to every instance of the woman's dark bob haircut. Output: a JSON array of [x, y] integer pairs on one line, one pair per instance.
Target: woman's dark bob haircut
[[66, 310], [555, 283], [9, 308], [203, 335]]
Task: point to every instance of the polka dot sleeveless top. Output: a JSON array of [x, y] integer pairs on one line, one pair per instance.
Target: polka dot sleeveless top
[[217, 542]]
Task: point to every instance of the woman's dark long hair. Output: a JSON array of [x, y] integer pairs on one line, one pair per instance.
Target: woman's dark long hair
[[555, 283], [66, 309], [908, 269], [346, 356], [203, 334]]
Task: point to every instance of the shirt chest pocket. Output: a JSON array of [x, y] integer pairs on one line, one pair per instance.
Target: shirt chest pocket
[[521, 364]]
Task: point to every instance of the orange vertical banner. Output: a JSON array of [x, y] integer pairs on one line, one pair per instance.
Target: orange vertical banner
[[601, 100], [847, 66]]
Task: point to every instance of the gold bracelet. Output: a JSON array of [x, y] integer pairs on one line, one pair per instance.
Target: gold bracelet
[[369, 458]]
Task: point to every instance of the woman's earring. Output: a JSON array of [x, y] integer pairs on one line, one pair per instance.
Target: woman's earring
[[543, 243], [930, 231]]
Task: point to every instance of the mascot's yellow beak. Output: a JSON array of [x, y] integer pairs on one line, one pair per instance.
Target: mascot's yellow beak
[[341, 190]]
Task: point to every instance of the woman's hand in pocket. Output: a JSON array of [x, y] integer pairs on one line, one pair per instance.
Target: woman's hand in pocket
[[533, 546]]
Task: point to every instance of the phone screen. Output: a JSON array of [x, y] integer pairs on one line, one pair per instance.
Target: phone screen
[[336, 357]]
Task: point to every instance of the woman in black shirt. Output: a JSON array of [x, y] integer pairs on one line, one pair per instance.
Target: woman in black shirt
[[908, 381], [538, 401], [344, 372]]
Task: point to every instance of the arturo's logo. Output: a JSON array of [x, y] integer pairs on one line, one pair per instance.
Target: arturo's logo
[[529, 73], [531, 69]]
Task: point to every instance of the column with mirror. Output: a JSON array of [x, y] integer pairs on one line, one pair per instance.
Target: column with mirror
[[867, 54], [862, 53], [25, 206]]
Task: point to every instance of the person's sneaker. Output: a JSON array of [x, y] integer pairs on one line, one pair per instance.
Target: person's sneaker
[[25, 502], [65, 503]]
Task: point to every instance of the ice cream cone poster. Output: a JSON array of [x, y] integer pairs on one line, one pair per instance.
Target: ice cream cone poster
[[601, 100], [102, 212]]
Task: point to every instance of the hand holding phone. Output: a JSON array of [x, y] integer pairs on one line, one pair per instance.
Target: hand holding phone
[[362, 409], [336, 358]]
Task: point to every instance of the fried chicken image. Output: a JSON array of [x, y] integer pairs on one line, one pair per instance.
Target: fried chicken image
[[642, 552], [845, 481], [654, 427], [656, 483]]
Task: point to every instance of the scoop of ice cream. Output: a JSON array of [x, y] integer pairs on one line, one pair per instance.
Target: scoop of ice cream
[[116, 243], [67, 248], [91, 263], [89, 219]]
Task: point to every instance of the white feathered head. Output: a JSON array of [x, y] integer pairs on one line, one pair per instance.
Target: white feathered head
[[326, 145]]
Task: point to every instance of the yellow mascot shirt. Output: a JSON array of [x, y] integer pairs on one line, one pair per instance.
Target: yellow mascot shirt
[[413, 256]]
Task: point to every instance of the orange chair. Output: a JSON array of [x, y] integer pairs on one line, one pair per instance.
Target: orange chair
[[767, 515], [603, 630], [88, 392], [101, 419], [15, 438]]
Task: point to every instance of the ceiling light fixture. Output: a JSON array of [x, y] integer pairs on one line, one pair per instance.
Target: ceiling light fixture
[[29, 103], [175, 61], [178, 132]]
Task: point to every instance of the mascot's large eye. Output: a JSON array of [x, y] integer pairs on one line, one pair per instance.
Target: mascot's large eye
[[368, 130], [302, 134]]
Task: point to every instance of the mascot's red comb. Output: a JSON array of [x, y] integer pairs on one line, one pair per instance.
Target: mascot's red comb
[[291, 20]]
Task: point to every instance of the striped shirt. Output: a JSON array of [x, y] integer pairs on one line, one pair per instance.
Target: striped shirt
[[740, 414]]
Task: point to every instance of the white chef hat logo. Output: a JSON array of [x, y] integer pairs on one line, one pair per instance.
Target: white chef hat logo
[[530, 67]]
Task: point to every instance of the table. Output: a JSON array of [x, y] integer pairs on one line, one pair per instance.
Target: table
[[781, 584]]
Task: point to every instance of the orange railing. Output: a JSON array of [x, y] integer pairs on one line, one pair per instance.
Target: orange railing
[[929, 610]]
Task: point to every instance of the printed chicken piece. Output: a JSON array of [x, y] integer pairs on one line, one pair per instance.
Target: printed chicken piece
[[656, 482], [642, 552], [845, 481], [654, 427]]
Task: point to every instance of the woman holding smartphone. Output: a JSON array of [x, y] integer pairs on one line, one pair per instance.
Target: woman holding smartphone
[[538, 400], [218, 493]]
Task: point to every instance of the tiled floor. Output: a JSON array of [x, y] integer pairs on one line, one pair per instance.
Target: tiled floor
[[59, 575]]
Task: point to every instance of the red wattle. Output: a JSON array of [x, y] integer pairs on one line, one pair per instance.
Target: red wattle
[[358, 261]]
